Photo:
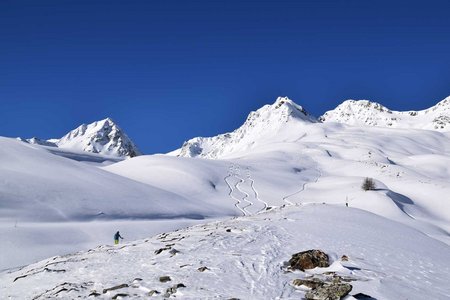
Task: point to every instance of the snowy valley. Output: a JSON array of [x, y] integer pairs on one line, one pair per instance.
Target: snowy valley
[[221, 217]]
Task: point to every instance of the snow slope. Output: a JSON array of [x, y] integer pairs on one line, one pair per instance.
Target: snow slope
[[295, 160], [315, 163], [37, 187], [246, 258], [364, 112]]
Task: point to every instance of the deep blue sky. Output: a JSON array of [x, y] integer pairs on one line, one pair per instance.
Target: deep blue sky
[[167, 71]]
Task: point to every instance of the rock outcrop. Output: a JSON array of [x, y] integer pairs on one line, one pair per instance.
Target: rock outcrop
[[333, 291], [309, 260]]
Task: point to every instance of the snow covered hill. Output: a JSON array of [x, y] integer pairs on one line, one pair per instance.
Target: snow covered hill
[[363, 112], [39, 189], [102, 137]]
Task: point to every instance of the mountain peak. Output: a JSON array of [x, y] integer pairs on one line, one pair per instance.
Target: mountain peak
[[292, 108], [369, 113], [365, 104], [261, 126], [104, 137]]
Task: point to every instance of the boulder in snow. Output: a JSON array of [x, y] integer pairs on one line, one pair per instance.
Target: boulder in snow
[[309, 260]]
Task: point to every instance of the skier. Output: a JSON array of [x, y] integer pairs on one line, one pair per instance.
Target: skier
[[116, 238]]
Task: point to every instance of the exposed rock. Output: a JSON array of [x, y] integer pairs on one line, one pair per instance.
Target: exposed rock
[[174, 251], [325, 288], [312, 284], [344, 258], [173, 289], [119, 295], [94, 293], [203, 269], [164, 278], [329, 292], [121, 286], [162, 249], [153, 292], [309, 260]]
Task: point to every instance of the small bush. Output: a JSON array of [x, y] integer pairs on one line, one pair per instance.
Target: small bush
[[368, 184]]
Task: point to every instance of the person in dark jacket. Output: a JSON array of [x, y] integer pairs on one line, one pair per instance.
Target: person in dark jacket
[[116, 238]]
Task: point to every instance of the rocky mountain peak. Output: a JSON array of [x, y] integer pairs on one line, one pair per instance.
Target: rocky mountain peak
[[104, 137]]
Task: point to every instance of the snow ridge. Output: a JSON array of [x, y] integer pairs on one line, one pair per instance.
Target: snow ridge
[[259, 125], [368, 113]]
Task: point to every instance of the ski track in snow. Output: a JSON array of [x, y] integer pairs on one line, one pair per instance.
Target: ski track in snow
[[243, 191], [232, 190], [255, 192], [285, 198]]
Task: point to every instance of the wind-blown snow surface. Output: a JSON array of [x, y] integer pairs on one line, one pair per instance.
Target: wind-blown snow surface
[[246, 259]]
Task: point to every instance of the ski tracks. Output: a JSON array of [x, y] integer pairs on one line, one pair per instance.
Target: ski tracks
[[259, 271], [286, 198], [242, 190]]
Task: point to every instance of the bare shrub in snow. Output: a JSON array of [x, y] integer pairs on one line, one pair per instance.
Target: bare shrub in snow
[[368, 184]]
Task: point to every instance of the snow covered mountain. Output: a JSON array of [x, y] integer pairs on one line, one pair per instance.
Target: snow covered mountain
[[102, 137], [281, 183], [364, 112], [281, 119], [261, 125]]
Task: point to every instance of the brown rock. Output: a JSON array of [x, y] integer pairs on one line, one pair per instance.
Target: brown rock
[[164, 278], [309, 260]]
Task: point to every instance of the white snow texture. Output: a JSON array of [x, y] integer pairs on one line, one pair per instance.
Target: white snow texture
[[239, 204]]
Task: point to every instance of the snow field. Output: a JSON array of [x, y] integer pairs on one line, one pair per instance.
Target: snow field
[[245, 258]]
